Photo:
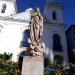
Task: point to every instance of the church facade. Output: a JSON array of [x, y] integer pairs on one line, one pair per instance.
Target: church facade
[[14, 31]]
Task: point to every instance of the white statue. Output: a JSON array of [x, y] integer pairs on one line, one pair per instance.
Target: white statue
[[36, 29]]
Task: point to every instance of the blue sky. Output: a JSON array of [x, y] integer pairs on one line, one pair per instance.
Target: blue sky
[[69, 11], [24, 4], [69, 8]]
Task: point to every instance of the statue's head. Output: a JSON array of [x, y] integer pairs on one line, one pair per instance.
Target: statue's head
[[36, 10]]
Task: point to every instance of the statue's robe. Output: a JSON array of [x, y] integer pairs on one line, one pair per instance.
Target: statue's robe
[[36, 28]]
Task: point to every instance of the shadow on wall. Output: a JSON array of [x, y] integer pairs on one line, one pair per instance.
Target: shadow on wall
[[20, 61], [24, 42]]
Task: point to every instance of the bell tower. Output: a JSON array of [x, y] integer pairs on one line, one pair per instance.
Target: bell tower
[[7, 7], [53, 11], [54, 29]]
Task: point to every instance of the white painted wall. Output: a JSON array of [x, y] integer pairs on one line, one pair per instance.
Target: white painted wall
[[11, 36], [23, 16], [11, 33], [10, 8]]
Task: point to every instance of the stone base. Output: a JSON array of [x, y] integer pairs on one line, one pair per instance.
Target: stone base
[[33, 65]]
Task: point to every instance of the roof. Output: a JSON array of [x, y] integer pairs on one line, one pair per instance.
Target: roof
[[68, 27], [26, 15], [20, 17]]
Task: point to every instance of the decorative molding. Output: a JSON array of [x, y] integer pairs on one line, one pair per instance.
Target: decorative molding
[[55, 3], [13, 20], [7, 0], [49, 22]]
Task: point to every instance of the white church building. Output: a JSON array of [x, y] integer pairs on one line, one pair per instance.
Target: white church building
[[14, 30]]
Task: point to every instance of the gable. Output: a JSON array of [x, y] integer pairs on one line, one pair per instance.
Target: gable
[[22, 16]]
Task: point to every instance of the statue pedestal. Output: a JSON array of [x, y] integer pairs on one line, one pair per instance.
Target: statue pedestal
[[33, 65]]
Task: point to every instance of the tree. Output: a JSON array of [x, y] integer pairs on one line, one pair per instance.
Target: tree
[[7, 67]]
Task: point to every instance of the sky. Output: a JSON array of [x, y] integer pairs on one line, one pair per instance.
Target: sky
[[69, 12], [69, 8]]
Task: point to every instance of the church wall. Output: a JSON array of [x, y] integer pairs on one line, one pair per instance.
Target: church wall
[[11, 35], [59, 14], [49, 31]]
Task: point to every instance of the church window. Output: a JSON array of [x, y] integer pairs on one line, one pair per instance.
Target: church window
[[57, 43], [24, 42], [54, 15], [3, 8]]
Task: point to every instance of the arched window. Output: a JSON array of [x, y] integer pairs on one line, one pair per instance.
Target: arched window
[[57, 43], [58, 59], [24, 42], [3, 8], [54, 16]]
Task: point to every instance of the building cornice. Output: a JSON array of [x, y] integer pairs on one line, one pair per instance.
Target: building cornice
[[13, 20], [55, 4], [48, 22], [7, 0]]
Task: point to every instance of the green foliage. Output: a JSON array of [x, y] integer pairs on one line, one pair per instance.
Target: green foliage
[[72, 65], [7, 67], [5, 56], [46, 73], [60, 69]]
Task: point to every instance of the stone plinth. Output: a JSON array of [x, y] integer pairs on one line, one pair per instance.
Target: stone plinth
[[33, 65]]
